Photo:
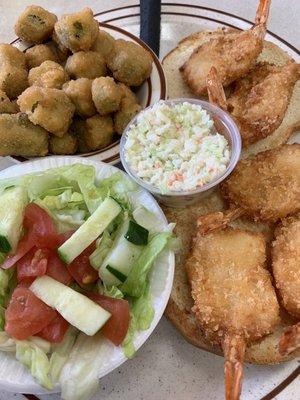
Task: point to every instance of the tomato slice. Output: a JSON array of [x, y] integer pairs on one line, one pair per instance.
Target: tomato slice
[[57, 269], [81, 269], [26, 314], [33, 264], [24, 245], [63, 237], [55, 331], [116, 327]]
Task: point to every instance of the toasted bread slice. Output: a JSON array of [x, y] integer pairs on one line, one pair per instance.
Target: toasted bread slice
[[179, 307], [271, 53]]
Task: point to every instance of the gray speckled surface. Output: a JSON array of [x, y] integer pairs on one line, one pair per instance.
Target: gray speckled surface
[[167, 367]]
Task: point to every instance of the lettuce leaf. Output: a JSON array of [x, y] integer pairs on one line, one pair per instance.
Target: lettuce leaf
[[7, 344], [2, 318], [7, 284], [135, 284], [103, 247]]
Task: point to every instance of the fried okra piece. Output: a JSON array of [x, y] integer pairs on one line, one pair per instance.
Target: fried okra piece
[[77, 31], [35, 24], [127, 92], [49, 74], [80, 92], [62, 52], [104, 44], [93, 133], [130, 63], [50, 108], [11, 55], [7, 106], [39, 53], [86, 64], [20, 137], [106, 95], [128, 110], [13, 80], [63, 145]]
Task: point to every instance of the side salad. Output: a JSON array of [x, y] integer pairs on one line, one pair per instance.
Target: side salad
[[75, 259]]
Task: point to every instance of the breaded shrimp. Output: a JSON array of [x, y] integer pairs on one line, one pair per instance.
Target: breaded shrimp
[[259, 100], [232, 54], [234, 300]]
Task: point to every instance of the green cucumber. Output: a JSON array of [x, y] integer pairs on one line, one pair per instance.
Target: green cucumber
[[121, 277], [12, 206], [136, 234], [77, 309], [90, 230]]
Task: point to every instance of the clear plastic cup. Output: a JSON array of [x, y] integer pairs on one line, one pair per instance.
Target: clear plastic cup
[[224, 124]]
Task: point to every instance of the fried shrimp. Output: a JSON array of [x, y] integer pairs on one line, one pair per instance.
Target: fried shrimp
[[232, 54], [35, 24], [77, 31], [49, 75], [259, 101], [234, 300]]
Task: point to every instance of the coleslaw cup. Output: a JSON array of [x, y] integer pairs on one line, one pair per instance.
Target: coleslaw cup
[[224, 125]]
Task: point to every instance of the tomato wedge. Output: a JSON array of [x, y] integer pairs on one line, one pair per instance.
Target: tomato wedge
[[63, 237], [57, 269], [55, 331], [26, 314], [81, 269], [116, 327], [24, 245], [33, 264]]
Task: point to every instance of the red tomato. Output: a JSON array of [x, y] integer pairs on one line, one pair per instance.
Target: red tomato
[[24, 245], [116, 327], [33, 264], [57, 269], [26, 314], [81, 269], [55, 331], [63, 237]]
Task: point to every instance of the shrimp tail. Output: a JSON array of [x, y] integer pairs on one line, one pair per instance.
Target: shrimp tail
[[218, 220], [261, 18], [234, 351], [215, 89], [290, 340]]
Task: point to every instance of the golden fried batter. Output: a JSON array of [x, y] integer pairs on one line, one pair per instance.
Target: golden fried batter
[[13, 80], [104, 44], [39, 53], [234, 300], [86, 64], [106, 95], [128, 110], [266, 186], [290, 340], [11, 55], [63, 145], [7, 106], [80, 92], [232, 54], [49, 75]]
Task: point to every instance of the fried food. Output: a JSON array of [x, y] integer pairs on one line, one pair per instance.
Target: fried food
[[93, 133], [234, 300], [63, 145], [49, 75], [35, 24], [11, 55], [62, 51], [130, 63], [127, 92], [6, 105], [20, 137], [50, 108], [285, 263], [13, 80], [39, 53], [231, 54], [290, 340], [266, 186], [128, 110], [106, 95], [86, 64], [104, 44], [77, 31], [80, 92]]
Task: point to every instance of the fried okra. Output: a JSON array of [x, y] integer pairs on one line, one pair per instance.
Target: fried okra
[[39, 53], [13, 80], [130, 63], [49, 74], [20, 137], [127, 111], [11, 55], [93, 133], [77, 31], [106, 95], [35, 24], [104, 44], [127, 92], [63, 145], [50, 108], [80, 92], [86, 64], [6, 105]]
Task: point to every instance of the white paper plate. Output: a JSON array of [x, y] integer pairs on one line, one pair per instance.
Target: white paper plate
[[13, 376]]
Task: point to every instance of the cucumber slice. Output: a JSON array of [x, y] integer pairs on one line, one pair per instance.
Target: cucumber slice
[[12, 206], [76, 308], [147, 219], [121, 277], [90, 230], [136, 234]]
